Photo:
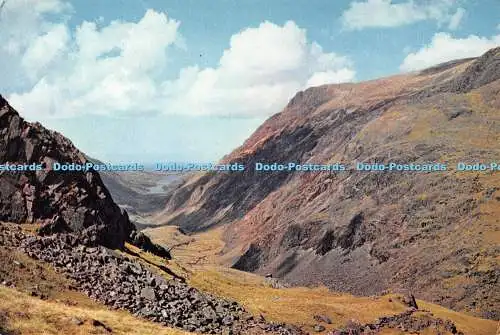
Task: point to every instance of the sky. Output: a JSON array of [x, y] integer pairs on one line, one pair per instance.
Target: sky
[[190, 80]]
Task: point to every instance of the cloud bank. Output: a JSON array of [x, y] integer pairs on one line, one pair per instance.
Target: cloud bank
[[444, 47], [120, 68]]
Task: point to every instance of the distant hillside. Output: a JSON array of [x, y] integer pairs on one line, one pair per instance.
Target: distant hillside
[[436, 234], [139, 192]]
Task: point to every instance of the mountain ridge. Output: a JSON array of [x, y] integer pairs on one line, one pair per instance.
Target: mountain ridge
[[375, 231]]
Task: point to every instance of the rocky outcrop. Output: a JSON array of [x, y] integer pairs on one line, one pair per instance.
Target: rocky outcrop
[[139, 239], [60, 201], [365, 232]]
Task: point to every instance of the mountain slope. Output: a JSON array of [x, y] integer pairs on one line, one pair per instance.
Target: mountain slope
[[364, 232], [140, 193]]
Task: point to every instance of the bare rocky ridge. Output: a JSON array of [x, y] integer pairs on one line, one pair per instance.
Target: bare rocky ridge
[[73, 201], [432, 233]]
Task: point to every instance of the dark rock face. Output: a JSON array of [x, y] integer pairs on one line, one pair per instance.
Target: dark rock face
[[64, 201], [142, 241], [251, 260]]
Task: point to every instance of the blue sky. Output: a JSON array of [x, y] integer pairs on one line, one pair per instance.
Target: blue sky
[[161, 80]]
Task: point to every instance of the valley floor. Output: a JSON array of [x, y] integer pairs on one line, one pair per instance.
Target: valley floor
[[198, 258], [35, 299]]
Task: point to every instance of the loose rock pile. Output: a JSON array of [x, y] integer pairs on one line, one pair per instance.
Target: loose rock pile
[[118, 282], [122, 283]]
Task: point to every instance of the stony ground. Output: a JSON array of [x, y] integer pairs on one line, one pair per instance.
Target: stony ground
[[120, 283]]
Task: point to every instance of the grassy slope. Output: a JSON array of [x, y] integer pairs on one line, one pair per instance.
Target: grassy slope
[[21, 313], [198, 261], [31, 316], [197, 257]]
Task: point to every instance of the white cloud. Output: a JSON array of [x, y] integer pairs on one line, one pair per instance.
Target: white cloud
[[388, 14], [102, 70], [24, 30], [444, 47], [263, 68], [456, 19], [44, 50], [332, 77], [119, 69], [23, 21]]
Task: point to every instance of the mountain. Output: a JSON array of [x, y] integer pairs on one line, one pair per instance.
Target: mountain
[[434, 233], [309, 228], [31, 191], [140, 193]]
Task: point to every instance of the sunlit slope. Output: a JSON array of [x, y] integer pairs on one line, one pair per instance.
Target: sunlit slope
[[435, 233], [23, 314]]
